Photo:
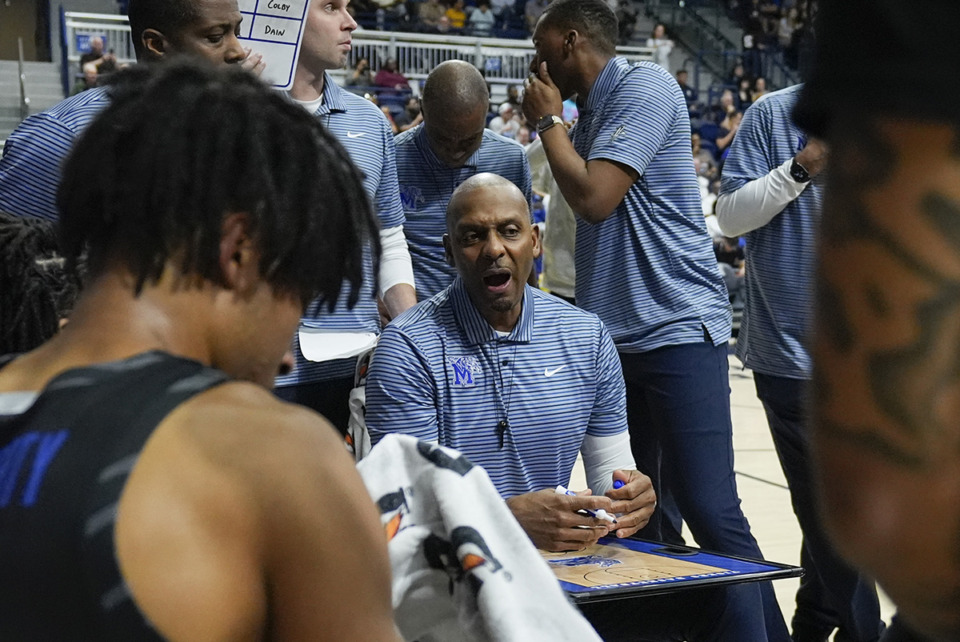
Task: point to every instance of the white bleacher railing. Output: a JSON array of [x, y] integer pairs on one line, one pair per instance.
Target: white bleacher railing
[[503, 61]]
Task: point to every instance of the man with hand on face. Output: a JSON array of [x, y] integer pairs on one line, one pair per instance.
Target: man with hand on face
[[451, 145], [362, 129], [153, 486], [645, 266], [161, 29], [472, 368]]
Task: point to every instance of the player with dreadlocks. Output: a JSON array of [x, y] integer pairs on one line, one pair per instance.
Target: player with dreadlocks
[[150, 484], [36, 291]]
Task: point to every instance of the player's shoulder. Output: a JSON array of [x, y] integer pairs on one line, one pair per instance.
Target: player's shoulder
[[241, 424]]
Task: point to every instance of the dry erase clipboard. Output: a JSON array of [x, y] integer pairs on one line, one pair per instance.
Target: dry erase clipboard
[[618, 568]]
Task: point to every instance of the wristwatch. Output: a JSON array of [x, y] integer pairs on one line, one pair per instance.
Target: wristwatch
[[548, 121], [798, 173]]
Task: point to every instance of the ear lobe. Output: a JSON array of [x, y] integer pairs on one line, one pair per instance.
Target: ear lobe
[[448, 251], [238, 257], [154, 44]]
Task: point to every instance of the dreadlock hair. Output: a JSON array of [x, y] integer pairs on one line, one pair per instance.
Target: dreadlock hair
[[169, 17], [181, 146], [36, 290], [593, 18]]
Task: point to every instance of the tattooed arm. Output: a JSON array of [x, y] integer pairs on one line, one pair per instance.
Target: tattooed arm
[[887, 362]]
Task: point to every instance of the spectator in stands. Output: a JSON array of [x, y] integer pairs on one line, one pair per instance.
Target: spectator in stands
[[506, 122], [88, 81], [390, 77], [513, 97], [504, 10], [689, 93], [744, 93], [736, 75], [728, 129], [759, 89], [626, 12], [430, 12], [708, 162], [532, 10], [457, 15], [103, 62], [161, 29], [365, 133], [36, 290], [661, 45], [171, 495], [481, 21], [410, 116], [360, 75], [627, 171], [433, 158]]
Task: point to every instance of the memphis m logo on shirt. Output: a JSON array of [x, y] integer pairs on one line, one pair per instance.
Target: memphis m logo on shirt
[[463, 370]]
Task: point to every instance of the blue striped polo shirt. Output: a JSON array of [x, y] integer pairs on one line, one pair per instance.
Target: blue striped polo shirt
[[648, 270], [441, 373], [426, 185], [780, 256], [35, 151], [362, 129]]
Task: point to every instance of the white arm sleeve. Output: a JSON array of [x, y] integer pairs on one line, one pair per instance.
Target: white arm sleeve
[[756, 203], [395, 264], [602, 456]]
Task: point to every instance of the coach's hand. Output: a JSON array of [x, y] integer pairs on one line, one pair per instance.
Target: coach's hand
[[552, 520], [253, 62], [633, 502]]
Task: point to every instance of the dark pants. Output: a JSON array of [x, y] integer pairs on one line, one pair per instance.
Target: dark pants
[[330, 398], [678, 410], [832, 594]]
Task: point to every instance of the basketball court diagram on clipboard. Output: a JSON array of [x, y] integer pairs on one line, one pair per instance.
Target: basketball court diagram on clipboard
[[611, 567], [275, 29]]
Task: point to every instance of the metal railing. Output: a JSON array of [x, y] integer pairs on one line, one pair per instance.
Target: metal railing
[[22, 78], [503, 61]]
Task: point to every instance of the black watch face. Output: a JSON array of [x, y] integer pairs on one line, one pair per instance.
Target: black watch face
[[798, 173]]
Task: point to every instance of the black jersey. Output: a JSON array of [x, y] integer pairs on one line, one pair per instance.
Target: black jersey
[[63, 465]]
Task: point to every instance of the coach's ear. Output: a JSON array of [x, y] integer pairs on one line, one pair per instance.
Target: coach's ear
[[155, 44], [448, 251], [239, 258]]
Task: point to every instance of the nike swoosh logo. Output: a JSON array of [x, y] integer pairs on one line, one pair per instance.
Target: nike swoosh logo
[[547, 372], [352, 135]]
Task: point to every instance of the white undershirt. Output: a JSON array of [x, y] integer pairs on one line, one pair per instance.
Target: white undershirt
[[602, 456], [756, 203]]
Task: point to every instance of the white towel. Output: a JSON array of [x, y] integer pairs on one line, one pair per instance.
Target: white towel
[[463, 569]]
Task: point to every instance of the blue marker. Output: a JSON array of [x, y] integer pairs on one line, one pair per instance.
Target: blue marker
[[618, 484], [599, 513]]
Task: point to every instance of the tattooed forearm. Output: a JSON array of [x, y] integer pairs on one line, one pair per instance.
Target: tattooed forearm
[[888, 339]]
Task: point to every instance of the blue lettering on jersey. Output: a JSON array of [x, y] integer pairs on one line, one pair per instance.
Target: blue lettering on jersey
[[19, 456]]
